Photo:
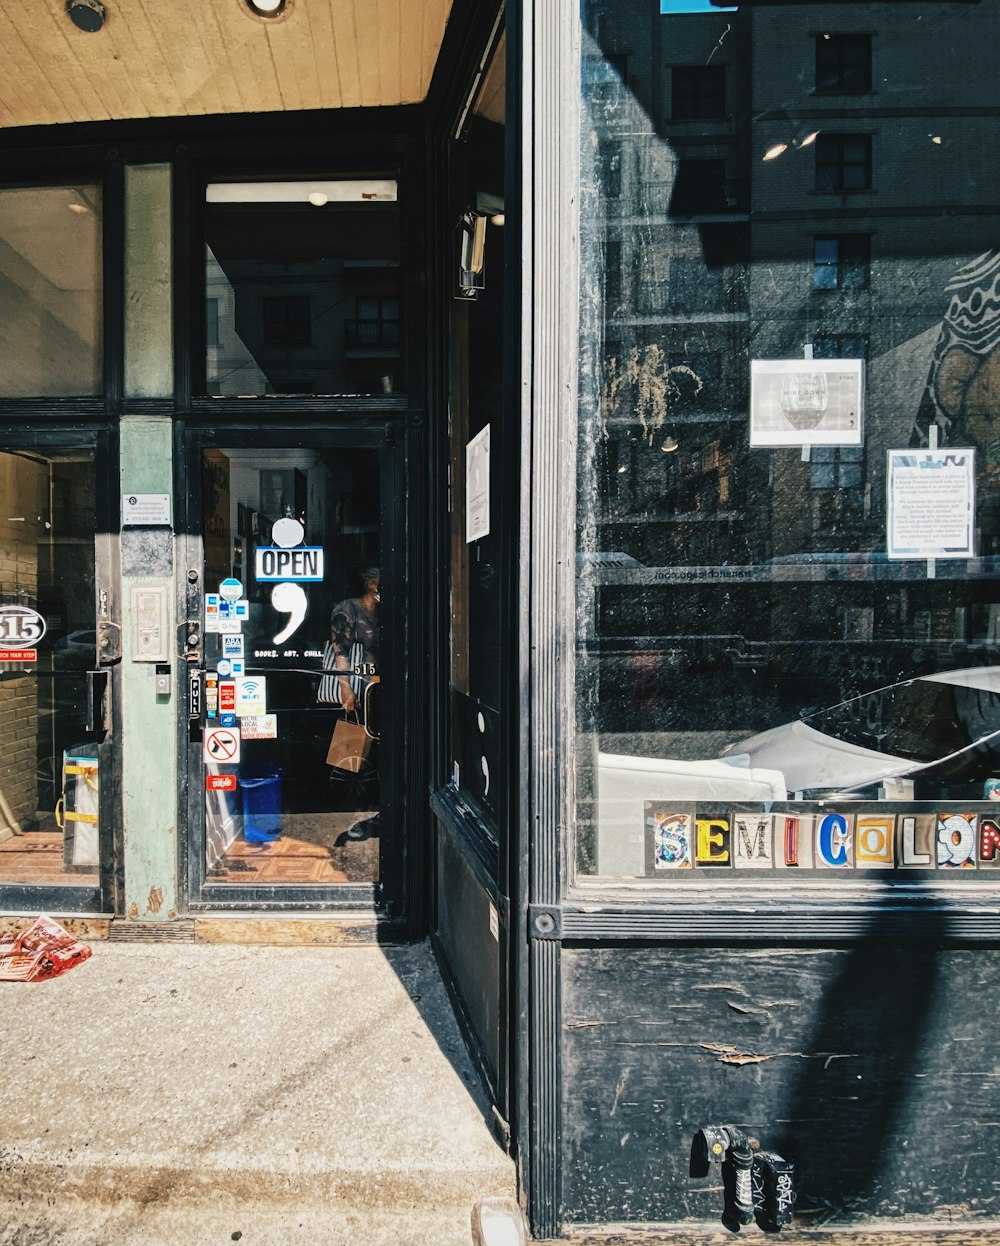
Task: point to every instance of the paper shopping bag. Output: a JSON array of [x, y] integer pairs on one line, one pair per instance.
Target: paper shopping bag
[[349, 746]]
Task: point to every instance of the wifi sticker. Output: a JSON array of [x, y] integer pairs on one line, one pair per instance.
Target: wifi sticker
[[251, 696]]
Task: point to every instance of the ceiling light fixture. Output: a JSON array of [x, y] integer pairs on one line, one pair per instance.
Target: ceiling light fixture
[[88, 15], [774, 152], [267, 8]]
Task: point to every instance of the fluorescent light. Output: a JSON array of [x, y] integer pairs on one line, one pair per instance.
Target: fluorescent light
[[774, 152], [371, 190]]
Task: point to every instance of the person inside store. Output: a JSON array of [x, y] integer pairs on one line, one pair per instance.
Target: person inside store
[[353, 649]]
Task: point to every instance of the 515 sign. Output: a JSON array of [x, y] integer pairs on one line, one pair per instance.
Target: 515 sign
[[20, 625]]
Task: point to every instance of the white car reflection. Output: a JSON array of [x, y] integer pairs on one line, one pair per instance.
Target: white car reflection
[[940, 731]]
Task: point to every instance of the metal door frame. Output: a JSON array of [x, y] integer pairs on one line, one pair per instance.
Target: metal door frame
[[389, 898]]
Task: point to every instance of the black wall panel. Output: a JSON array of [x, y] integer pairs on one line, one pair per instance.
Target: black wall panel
[[869, 1066]]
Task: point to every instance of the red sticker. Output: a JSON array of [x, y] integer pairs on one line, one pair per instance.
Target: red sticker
[[220, 782], [18, 655], [227, 697]]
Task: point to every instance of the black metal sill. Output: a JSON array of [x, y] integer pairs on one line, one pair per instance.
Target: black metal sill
[[806, 913]]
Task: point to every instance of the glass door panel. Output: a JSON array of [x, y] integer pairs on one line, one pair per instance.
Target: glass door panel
[[292, 667], [49, 762]]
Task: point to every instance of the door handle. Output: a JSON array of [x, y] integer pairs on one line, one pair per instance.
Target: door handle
[[109, 643], [98, 707]]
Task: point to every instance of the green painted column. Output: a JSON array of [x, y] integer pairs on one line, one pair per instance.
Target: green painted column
[[149, 717]]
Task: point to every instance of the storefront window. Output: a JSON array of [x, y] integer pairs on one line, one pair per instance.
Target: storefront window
[[302, 288], [51, 291], [788, 603]]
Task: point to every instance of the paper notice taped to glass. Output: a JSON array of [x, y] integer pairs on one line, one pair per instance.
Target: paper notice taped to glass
[[477, 486], [931, 508]]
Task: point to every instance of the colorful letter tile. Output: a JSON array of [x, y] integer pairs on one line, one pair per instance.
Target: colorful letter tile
[[834, 841], [671, 837], [956, 841], [916, 846], [793, 840], [713, 842], [989, 841], [752, 841], [874, 841]]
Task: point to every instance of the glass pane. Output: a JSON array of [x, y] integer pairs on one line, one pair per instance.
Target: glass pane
[[305, 281], [49, 797], [788, 623], [293, 666], [51, 291]]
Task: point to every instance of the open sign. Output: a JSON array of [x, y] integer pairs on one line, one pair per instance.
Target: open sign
[[305, 562]]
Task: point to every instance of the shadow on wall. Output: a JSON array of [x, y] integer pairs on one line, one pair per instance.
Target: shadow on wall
[[873, 1052]]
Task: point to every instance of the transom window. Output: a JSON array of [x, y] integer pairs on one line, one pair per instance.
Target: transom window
[[302, 288]]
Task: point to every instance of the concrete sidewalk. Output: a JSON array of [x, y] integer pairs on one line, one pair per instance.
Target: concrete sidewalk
[[199, 1094]]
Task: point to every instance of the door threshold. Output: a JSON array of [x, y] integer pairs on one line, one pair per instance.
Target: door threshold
[[321, 929]]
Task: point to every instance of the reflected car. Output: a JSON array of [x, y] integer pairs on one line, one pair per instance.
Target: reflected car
[[941, 732]]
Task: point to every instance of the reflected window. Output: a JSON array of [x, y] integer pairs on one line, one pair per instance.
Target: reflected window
[[698, 92], [840, 346], [611, 169], [841, 262], [287, 321], [700, 188], [843, 64], [305, 282], [211, 322], [844, 162], [51, 291]]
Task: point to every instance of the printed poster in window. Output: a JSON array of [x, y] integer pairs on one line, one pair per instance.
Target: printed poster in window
[[931, 510], [806, 402], [477, 486]]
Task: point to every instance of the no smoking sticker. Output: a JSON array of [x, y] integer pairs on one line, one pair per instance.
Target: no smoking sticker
[[222, 744]]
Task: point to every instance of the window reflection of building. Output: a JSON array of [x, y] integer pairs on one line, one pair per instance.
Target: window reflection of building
[[843, 243], [302, 299]]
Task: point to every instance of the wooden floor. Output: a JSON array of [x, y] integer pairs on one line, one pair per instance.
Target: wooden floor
[[313, 848], [36, 858]]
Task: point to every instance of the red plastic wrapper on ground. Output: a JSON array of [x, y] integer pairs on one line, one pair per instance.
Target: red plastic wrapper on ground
[[42, 951]]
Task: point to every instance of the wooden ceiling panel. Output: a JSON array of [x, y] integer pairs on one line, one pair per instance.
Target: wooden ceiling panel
[[166, 58]]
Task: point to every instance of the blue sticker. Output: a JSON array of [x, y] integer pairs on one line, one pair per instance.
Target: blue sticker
[[227, 720], [224, 666]]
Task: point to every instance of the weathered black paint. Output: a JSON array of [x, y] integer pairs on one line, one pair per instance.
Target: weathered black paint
[[868, 1066]]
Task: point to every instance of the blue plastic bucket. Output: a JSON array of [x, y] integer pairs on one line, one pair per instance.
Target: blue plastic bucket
[[261, 788]]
